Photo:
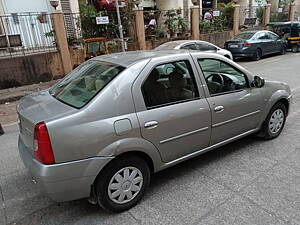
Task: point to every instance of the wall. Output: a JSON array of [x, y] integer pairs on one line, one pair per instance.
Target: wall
[[218, 39], [21, 6], [34, 68], [17, 6]]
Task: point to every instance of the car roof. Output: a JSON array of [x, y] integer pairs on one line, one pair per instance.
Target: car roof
[[173, 44], [283, 23], [127, 59]]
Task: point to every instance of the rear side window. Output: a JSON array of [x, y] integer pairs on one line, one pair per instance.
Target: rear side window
[[82, 84], [190, 47], [206, 47], [170, 83]]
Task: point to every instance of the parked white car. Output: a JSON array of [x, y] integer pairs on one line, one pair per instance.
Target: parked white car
[[202, 46]]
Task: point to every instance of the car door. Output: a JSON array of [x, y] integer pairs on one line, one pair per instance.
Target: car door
[[264, 42], [275, 42], [236, 108], [171, 108]]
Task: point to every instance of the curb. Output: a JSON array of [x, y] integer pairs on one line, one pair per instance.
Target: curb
[[11, 99]]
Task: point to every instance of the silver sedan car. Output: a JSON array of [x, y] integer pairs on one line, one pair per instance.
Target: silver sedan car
[[202, 46], [106, 127]]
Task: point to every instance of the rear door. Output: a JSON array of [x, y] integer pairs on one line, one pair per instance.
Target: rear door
[[171, 108]]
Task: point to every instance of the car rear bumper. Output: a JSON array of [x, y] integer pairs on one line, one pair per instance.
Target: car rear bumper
[[63, 181], [242, 52]]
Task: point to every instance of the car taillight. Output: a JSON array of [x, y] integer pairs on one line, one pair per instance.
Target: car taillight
[[247, 44], [42, 145]]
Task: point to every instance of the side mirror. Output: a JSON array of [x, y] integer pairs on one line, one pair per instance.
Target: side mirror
[[258, 82]]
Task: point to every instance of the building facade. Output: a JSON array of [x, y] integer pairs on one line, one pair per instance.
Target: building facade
[[30, 23]]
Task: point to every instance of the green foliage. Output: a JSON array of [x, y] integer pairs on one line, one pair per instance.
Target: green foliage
[[159, 33], [219, 24], [226, 10], [182, 25], [279, 17], [171, 22], [50, 33], [87, 11], [260, 13], [89, 28]]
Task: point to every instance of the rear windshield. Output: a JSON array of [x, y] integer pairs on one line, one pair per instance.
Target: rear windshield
[[244, 36], [95, 47], [167, 46], [82, 84]]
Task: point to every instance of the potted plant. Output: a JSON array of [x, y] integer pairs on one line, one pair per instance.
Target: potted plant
[[179, 11], [41, 18], [182, 25], [170, 22]]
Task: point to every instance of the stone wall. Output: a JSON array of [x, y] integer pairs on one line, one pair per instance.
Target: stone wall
[[36, 68]]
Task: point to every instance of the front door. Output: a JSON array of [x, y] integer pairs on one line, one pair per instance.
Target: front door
[[171, 109], [235, 106]]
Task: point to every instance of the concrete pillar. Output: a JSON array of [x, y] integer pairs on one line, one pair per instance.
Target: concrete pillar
[[195, 22], [274, 5], [236, 19], [215, 4], [200, 9], [266, 16], [61, 41], [292, 8], [140, 27]]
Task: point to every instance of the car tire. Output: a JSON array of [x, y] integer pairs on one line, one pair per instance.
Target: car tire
[[122, 183], [283, 50], [274, 122], [295, 48], [258, 54]]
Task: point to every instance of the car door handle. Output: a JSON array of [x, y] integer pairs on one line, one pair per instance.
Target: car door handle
[[219, 109], [151, 124]]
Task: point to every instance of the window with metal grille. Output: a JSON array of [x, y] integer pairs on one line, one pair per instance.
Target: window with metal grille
[[15, 18]]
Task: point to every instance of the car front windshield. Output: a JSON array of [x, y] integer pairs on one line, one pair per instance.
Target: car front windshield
[[83, 84], [244, 36]]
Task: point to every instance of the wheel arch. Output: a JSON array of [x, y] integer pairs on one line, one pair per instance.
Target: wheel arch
[[273, 101]]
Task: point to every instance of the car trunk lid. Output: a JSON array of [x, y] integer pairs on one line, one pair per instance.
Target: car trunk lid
[[35, 108], [232, 44]]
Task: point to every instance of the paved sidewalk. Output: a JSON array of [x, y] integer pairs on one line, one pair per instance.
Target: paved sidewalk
[[9, 100]]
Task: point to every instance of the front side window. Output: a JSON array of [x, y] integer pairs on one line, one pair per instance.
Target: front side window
[[221, 77], [272, 36], [79, 87], [169, 83]]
